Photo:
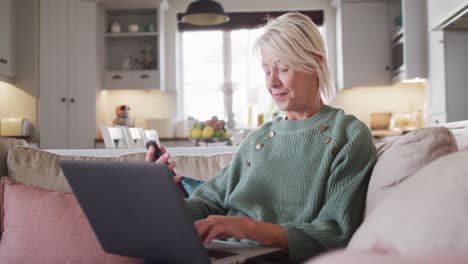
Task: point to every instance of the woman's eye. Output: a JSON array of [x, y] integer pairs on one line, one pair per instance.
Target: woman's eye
[[283, 70], [267, 73]]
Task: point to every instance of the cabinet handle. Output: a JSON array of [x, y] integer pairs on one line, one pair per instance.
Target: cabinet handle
[[63, 100], [387, 68], [72, 100], [2, 60], [116, 77], [437, 121], [144, 76]]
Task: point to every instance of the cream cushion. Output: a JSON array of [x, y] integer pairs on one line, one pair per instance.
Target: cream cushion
[[397, 160], [426, 213], [41, 168], [5, 145]]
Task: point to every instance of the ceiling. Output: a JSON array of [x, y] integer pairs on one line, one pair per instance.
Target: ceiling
[[458, 22]]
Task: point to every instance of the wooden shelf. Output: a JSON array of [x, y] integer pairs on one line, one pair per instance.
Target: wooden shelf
[[131, 35]]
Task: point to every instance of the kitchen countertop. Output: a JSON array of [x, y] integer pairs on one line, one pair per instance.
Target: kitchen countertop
[[27, 139], [385, 133]]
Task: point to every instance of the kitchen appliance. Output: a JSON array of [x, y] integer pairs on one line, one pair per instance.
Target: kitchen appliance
[[15, 127]]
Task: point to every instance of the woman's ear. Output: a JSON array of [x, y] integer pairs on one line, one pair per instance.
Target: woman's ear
[[319, 58]]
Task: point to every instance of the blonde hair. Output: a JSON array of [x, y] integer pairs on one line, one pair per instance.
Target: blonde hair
[[295, 40]]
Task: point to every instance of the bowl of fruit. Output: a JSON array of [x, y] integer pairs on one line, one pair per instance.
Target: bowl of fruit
[[210, 133]]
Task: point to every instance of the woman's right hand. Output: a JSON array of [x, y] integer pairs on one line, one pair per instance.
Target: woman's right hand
[[164, 159]]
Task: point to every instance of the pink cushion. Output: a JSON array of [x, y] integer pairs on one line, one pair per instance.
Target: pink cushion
[[373, 257], [42, 226]]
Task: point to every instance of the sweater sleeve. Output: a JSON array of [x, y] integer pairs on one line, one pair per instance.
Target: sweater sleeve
[[211, 198], [344, 199]]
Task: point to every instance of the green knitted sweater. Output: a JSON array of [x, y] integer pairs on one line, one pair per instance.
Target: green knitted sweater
[[310, 176]]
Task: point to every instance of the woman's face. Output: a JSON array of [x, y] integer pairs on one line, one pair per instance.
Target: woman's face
[[294, 92]]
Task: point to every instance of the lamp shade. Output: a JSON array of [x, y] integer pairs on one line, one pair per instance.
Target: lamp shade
[[205, 13]]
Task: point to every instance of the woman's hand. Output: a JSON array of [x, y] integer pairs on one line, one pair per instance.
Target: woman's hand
[[224, 227], [164, 159]]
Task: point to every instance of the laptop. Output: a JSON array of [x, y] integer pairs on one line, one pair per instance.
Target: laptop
[[136, 210]]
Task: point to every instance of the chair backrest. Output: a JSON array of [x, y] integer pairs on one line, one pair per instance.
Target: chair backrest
[[136, 136], [151, 134], [111, 135]]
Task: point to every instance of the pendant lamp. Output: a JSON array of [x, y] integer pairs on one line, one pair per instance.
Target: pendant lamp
[[205, 13]]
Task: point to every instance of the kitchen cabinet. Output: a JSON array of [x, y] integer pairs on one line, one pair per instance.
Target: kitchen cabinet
[[68, 74], [435, 95], [409, 39], [6, 40], [363, 43], [448, 62], [132, 56]]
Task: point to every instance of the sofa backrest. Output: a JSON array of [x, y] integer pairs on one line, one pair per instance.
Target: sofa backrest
[[41, 168], [397, 159]]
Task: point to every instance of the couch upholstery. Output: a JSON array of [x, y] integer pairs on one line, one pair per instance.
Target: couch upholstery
[[397, 161]]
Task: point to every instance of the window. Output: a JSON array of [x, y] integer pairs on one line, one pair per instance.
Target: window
[[220, 74]]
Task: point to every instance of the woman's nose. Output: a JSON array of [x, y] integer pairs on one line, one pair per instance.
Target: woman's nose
[[274, 81]]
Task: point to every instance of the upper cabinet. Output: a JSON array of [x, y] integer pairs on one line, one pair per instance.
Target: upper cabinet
[[6, 39], [132, 49], [409, 39], [363, 43], [380, 42]]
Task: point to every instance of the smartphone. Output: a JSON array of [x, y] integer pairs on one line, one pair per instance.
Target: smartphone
[[158, 154]]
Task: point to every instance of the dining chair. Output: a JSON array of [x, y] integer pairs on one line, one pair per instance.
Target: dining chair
[[136, 137], [113, 135], [152, 134]]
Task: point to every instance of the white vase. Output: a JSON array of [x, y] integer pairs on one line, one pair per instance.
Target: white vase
[[115, 27]]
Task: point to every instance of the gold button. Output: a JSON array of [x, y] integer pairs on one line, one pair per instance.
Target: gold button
[[334, 150], [323, 128], [258, 146], [272, 134], [327, 140]]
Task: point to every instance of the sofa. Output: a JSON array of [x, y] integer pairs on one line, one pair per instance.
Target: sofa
[[417, 202]]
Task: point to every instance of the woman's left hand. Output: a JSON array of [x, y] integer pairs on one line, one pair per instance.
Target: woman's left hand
[[223, 227]]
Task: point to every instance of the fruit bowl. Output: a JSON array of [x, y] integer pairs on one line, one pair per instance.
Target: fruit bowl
[[210, 133]]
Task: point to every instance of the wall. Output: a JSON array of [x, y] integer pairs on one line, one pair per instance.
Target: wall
[[362, 101], [15, 102], [143, 103]]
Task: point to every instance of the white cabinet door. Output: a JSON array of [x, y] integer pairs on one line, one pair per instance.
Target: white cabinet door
[[53, 74], [83, 74], [365, 44], [436, 84], [6, 38], [68, 74]]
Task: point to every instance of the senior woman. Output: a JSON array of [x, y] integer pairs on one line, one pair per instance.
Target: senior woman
[[299, 182]]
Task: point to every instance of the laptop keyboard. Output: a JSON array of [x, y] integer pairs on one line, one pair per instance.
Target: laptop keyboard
[[218, 254]]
